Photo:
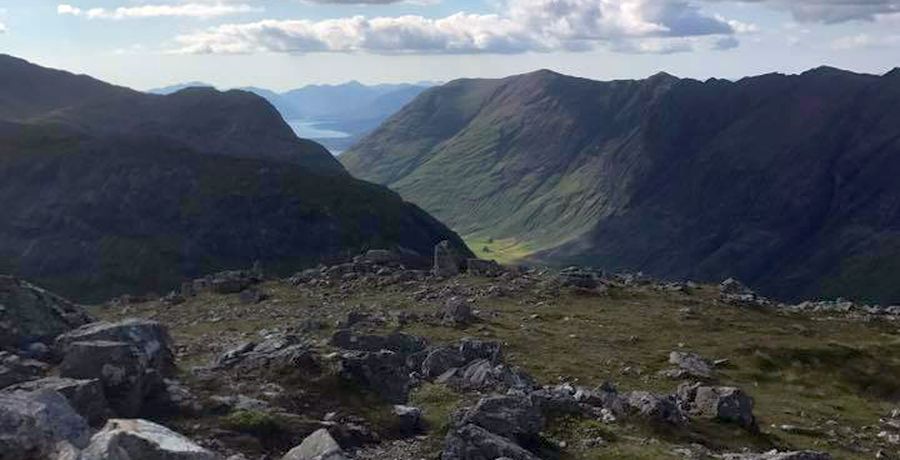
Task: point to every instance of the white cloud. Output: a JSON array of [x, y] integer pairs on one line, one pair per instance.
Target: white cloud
[[194, 10], [2, 28], [834, 11], [864, 40], [527, 25]]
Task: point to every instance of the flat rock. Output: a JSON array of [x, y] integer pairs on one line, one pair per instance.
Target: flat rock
[[150, 337], [122, 439]]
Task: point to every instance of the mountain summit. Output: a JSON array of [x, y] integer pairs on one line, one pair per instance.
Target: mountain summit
[[784, 181]]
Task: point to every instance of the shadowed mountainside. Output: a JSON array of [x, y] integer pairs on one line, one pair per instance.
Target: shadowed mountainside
[[108, 191], [787, 182]]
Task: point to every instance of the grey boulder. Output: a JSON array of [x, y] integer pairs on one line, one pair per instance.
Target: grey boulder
[[84, 395], [37, 424], [123, 439], [119, 366], [726, 404], [512, 416], [471, 442], [151, 338], [317, 446]]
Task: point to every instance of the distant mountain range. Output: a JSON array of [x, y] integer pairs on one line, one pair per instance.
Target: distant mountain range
[[106, 190], [787, 182], [351, 108]]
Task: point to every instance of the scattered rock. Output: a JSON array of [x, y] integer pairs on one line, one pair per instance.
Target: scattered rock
[[581, 277], [398, 342], [487, 268], [657, 408]]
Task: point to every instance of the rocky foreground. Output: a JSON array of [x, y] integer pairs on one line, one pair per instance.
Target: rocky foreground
[[468, 361]]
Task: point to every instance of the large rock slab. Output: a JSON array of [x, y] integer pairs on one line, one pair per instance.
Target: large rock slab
[[512, 416], [725, 404], [121, 367], [140, 439], [16, 369], [85, 396], [151, 338], [383, 372], [317, 446], [35, 425], [29, 313], [472, 442]]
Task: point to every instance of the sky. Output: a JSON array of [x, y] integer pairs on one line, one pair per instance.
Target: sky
[[284, 44]]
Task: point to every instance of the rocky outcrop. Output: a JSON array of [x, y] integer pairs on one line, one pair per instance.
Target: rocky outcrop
[[140, 439], [656, 408], [495, 427], [31, 314]]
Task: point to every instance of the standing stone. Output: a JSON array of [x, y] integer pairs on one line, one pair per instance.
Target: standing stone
[[446, 261]]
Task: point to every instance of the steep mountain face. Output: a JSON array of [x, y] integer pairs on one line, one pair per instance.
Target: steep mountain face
[[787, 182], [115, 191]]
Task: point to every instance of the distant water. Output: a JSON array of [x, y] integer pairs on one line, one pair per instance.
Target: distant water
[[309, 129]]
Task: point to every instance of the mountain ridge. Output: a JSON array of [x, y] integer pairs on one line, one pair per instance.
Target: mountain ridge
[[662, 175], [116, 191]]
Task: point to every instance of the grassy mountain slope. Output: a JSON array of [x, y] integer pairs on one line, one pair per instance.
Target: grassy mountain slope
[[132, 193], [783, 181], [234, 123]]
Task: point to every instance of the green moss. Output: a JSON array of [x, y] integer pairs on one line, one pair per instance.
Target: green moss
[[437, 403], [252, 422]]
